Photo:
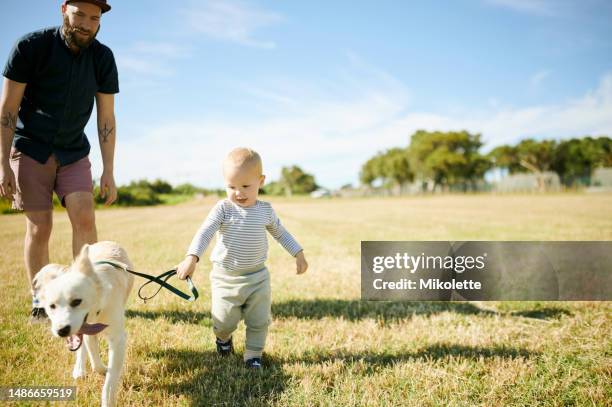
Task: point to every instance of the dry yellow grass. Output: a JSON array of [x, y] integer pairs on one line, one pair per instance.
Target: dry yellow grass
[[325, 346]]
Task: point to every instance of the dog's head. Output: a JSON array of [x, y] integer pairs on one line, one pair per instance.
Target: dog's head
[[69, 295]]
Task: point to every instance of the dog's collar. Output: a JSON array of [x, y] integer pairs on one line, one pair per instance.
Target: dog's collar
[[112, 263]]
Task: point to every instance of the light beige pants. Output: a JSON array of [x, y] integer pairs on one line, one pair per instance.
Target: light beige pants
[[235, 297]]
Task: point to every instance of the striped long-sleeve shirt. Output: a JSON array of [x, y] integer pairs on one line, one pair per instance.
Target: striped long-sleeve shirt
[[241, 242]]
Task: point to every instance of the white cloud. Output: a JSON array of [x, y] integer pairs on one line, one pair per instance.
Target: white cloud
[[162, 49], [143, 61], [535, 7], [232, 21], [589, 115], [331, 137], [539, 77], [138, 64], [268, 95], [318, 139]]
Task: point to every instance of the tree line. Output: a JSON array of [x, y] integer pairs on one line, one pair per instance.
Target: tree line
[[453, 160]]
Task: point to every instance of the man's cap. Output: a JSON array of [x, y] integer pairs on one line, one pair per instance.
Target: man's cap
[[100, 3]]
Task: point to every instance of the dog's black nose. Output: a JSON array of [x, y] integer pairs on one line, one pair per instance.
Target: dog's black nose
[[64, 331]]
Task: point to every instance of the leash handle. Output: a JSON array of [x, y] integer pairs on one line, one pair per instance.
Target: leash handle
[[161, 280]]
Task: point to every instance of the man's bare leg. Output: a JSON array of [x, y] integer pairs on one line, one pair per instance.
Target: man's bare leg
[[36, 249], [80, 208], [38, 232]]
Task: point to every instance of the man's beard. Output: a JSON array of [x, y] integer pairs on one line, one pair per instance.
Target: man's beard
[[73, 39]]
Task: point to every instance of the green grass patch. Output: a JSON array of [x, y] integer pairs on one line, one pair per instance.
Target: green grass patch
[[325, 346]]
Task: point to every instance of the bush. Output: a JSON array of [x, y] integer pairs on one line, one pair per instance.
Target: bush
[[131, 196], [161, 187], [273, 188], [158, 186], [187, 189], [293, 181], [5, 206], [127, 196]]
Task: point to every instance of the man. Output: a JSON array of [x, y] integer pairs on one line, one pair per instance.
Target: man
[[50, 82]]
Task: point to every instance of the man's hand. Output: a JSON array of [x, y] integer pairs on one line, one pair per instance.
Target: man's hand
[[8, 186], [186, 267], [105, 103], [10, 100], [300, 263], [108, 189]]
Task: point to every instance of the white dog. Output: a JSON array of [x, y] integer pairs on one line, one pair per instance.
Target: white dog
[[84, 300]]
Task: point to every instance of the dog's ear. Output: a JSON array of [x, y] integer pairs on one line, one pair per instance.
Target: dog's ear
[[46, 274], [82, 262], [84, 251]]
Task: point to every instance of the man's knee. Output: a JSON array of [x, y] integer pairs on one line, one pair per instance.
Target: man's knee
[[84, 220], [39, 226], [81, 212]]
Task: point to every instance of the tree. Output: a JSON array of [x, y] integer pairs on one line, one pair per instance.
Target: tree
[[506, 157], [372, 170], [536, 156], [396, 166], [449, 158], [528, 155], [295, 181], [605, 146], [392, 167], [273, 188], [575, 159]]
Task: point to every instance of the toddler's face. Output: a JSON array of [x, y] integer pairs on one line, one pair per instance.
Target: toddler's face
[[242, 184]]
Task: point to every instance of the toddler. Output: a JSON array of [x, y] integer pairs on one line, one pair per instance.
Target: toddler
[[240, 281]]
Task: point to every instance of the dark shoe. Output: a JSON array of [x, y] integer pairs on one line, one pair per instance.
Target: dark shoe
[[38, 315], [254, 363], [224, 348]]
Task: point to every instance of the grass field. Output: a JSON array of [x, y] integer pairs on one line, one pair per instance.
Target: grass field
[[325, 346]]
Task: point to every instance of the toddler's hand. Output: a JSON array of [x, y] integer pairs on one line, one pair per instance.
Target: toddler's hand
[[300, 263], [186, 267]]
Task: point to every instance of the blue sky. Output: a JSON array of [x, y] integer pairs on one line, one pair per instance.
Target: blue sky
[[325, 85]]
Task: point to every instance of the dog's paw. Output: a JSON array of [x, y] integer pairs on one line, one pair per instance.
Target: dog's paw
[[100, 369], [77, 373]]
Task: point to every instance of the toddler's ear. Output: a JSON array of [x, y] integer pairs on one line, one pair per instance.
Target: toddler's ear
[[262, 179]]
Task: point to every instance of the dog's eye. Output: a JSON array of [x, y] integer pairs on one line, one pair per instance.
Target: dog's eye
[[52, 306], [75, 303]]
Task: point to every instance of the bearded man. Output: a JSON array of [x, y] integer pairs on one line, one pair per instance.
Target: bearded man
[[51, 80]]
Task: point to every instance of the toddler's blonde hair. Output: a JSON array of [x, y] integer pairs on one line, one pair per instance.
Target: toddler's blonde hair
[[244, 157]]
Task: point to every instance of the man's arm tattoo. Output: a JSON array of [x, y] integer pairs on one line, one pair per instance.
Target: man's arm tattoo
[[9, 121], [105, 132]]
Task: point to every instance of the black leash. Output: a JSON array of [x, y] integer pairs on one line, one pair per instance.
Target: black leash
[[161, 280]]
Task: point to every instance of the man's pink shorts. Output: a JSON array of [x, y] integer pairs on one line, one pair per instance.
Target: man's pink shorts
[[36, 182]]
